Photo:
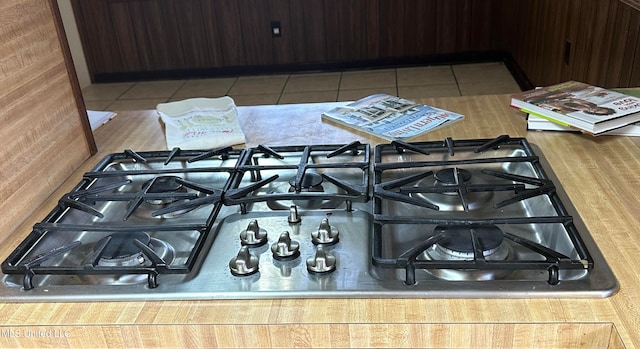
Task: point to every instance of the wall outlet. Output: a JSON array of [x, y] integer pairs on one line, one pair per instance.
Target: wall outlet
[[276, 29]]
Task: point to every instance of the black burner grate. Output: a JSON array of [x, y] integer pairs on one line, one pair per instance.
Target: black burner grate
[[411, 207], [104, 209], [302, 173]]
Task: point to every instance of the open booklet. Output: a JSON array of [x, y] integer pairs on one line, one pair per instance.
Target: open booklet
[[391, 117]]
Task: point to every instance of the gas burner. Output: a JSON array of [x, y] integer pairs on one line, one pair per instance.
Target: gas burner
[[458, 198], [311, 177], [162, 185], [119, 250], [310, 182], [460, 243], [452, 176]]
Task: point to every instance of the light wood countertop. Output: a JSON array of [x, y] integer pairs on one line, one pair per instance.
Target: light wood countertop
[[601, 176]]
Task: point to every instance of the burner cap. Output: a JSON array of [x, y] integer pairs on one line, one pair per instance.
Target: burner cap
[[121, 245], [164, 184], [447, 176], [458, 237], [310, 182]]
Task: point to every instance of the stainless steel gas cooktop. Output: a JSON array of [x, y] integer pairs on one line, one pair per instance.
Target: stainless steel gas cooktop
[[453, 218]]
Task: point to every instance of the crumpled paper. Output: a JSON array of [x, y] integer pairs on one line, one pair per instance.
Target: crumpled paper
[[201, 123]]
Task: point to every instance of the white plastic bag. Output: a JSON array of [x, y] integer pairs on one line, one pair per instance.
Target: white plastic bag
[[201, 123]]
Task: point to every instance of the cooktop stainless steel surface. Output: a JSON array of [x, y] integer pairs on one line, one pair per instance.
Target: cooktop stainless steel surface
[[453, 218]]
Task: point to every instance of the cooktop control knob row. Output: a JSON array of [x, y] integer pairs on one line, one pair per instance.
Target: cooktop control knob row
[[285, 249]]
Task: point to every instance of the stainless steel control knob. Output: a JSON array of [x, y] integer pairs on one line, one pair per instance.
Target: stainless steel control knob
[[285, 248], [244, 263], [253, 236], [326, 234], [323, 262]]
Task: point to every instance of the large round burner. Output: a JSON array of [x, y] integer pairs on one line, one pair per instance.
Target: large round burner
[[121, 251], [458, 245], [451, 200], [164, 184], [310, 182], [447, 176], [458, 240]]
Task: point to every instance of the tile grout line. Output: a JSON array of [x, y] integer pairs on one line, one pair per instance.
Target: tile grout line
[[281, 94], [395, 70], [176, 91], [282, 89], [455, 78]]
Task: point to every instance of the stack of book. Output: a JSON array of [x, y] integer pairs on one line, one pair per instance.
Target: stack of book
[[576, 106]]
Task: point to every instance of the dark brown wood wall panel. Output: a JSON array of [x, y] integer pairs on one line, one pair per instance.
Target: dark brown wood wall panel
[[506, 24], [222, 21], [100, 44], [446, 26], [346, 30], [308, 32], [156, 26], [200, 47], [618, 47], [391, 31], [256, 31], [127, 38], [524, 55], [558, 53], [634, 73], [419, 27], [588, 35], [632, 52], [543, 61], [602, 41], [481, 23], [551, 40], [601, 38]]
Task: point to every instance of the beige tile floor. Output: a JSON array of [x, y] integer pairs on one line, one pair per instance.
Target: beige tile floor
[[413, 82]]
